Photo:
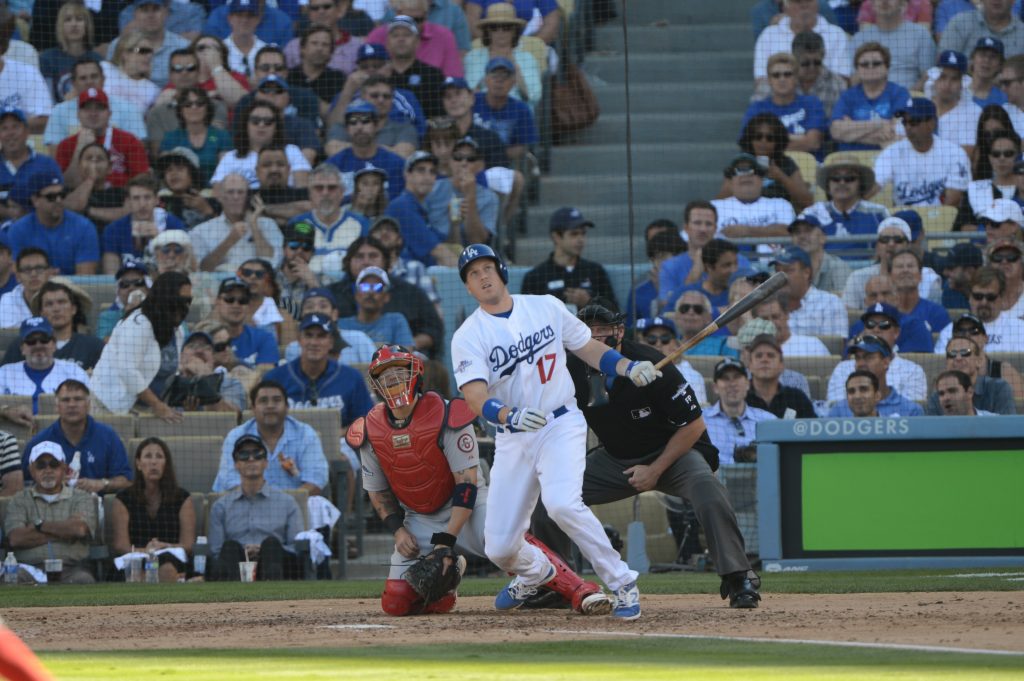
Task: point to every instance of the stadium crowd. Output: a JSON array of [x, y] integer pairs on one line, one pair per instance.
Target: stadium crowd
[[266, 184]]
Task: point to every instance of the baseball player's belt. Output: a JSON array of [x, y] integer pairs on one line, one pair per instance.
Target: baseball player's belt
[[561, 411]]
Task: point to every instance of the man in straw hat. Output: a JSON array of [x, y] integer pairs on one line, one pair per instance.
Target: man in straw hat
[[846, 182]]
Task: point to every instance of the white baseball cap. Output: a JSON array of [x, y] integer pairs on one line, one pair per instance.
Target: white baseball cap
[[46, 447], [895, 223]]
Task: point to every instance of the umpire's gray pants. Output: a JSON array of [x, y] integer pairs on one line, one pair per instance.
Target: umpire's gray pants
[[689, 477]]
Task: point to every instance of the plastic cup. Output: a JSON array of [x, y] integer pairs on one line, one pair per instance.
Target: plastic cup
[[135, 571], [247, 570], [53, 567]]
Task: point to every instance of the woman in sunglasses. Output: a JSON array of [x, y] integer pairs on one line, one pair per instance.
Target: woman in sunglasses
[[258, 125], [265, 293], [993, 119], [994, 178], [194, 111], [765, 137], [500, 32], [127, 72]]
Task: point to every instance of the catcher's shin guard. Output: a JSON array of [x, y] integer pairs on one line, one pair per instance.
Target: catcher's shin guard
[[586, 597], [400, 599], [444, 604]]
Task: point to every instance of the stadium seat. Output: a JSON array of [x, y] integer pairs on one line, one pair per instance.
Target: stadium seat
[[932, 363], [47, 403], [814, 366], [807, 164], [196, 459], [7, 336], [327, 424], [936, 219], [196, 423], [817, 385], [835, 344]]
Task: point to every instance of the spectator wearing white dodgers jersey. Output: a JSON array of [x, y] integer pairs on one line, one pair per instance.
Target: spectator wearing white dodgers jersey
[[747, 213]]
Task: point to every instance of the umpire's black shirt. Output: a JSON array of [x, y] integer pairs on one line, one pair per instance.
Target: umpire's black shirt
[[639, 421]]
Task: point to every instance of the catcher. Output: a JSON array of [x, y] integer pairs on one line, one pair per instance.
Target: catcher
[[420, 467]]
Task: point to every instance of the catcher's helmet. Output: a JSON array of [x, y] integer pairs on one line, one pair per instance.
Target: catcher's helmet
[[600, 312], [475, 252], [411, 379]]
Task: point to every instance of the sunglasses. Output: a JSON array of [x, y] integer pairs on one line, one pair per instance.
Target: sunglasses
[[193, 104], [221, 347], [320, 8], [367, 287], [1006, 153], [807, 63], [300, 246], [1009, 257], [262, 120], [893, 240], [51, 463], [126, 284], [359, 120], [696, 309], [781, 74], [870, 64], [250, 455], [142, 50], [764, 137], [965, 352], [232, 300], [206, 46], [246, 273], [272, 90], [32, 342], [883, 324], [464, 158], [53, 197], [844, 179], [184, 68], [502, 27], [990, 297], [172, 249], [659, 339]]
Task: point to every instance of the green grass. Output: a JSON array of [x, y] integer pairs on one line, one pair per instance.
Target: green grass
[[633, 659], [675, 583]]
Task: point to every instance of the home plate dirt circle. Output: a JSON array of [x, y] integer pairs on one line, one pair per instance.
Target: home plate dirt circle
[[971, 620]]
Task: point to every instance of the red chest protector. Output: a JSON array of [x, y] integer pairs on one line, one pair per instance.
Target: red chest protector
[[411, 457]]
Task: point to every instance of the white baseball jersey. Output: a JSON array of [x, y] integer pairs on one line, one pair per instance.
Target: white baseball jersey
[[521, 356]]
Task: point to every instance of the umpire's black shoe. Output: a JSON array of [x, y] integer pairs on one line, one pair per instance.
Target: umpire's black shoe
[[741, 589]]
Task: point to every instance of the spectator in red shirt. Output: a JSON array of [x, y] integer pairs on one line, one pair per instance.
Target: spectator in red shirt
[[127, 154]]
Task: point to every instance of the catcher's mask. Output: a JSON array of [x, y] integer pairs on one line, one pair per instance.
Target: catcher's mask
[[396, 374]]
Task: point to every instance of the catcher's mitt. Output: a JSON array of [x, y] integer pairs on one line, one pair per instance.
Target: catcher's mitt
[[434, 574]]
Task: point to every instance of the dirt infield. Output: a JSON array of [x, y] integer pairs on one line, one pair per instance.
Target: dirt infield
[[986, 620]]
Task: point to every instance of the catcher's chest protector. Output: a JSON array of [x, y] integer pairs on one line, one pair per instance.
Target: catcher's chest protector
[[411, 457]]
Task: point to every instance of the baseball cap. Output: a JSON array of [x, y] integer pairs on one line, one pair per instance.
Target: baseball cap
[[765, 339], [370, 168], [406, 22], [273, 79], [727, 364], [35, 325], [246, 6], [299, 231], [248, 439], [166, 158], [455, 81], [913, 220], [171, 236], [373, 271], [869, 343], [804, 220], [321, 292], [419, 157], [792, 254], [466, 141], [990, 43], [893, 222], [566, 218], [883, 309], [93, 95], [1004, 243], [199, 336], [131, 266], [372, 51], [44, 448], [43, 178], [13, 111], [360, 106], [316, 321], [648, 323], [963, 255], [497, 63], [231, 283], [1003, 210], [744, 159], [951, 59], [918, 108], [968, 321], [808, 41]]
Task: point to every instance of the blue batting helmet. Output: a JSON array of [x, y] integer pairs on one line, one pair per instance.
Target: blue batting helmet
[[475, 252]]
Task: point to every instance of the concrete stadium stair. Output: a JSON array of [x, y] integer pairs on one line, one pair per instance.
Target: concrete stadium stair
[[690, 81]]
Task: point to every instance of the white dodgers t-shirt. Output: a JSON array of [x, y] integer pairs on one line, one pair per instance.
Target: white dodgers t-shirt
[[919, 179], [760, 213]]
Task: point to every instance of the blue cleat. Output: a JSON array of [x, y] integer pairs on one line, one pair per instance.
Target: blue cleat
[[517, 593], [627, 602]]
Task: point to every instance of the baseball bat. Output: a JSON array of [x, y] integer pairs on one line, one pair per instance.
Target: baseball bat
[[747, 302]]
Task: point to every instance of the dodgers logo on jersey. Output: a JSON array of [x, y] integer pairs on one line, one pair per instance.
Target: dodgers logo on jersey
[[521, 351]]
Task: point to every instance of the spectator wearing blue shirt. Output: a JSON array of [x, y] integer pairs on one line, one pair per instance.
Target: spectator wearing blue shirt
[[361, 119], [275, 26], [104, 464], [864, 115], [125, 239], [315, 380], [372, 294], [68, 238], [905, 272], [845, 212], [661, 248], [506, 116], [873, 354], [422, 243], [296, 454], [731, 422], [720, 259], [18, 162], [802, 115], [254, 348], [882, 319], [986, 63], [462, 202]]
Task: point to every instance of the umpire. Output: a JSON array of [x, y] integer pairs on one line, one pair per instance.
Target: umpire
[[664, 421]]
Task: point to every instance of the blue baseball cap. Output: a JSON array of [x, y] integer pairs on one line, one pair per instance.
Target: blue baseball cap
[[372, 51], [951, 59], [131, 266], [500, 63], [200, 336], [648, 323], [871, 344], [919, 108], [420, 156], [454, 81], [321, 292], [727, 364], [360, 106], [273, 79], [243, 6], [406, 22], [566, 218], [13, 111], [230, 283], [990, 43], [883, 309], [804, 220], [913, 220], [43, 178], [792, 254], [316, 321], [35, 325], [370, 168], [248, 439]]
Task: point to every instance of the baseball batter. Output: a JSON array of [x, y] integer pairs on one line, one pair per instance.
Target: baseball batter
[[509, 359], [420, 465]]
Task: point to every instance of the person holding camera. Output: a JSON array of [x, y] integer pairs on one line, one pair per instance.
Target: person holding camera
[[239, 233]]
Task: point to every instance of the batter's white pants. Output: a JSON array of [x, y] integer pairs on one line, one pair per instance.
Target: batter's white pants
[[548, 463]]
